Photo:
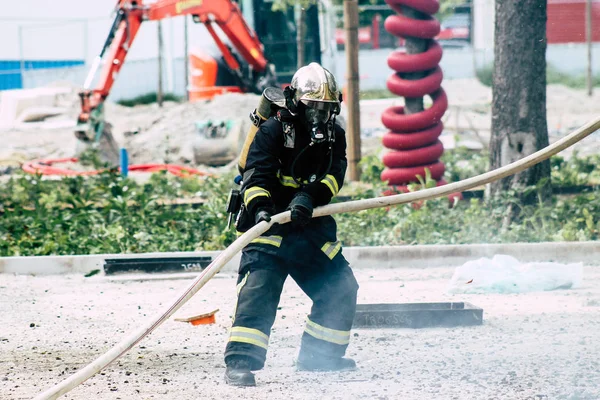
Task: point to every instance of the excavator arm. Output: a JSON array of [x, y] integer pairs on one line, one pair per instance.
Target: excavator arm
[[129, 16], [227, 15]]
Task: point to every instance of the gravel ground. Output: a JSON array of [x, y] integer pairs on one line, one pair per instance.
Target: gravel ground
[[531, 346]]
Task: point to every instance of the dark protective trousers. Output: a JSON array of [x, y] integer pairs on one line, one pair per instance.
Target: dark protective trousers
[[313, 258]]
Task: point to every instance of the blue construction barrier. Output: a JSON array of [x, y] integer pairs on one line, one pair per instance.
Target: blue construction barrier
[[11, 76]]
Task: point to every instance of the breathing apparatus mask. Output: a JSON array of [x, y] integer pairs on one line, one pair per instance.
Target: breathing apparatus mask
[[320, 118], [314, 97]]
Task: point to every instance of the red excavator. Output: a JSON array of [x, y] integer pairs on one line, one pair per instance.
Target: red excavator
[[253, 74]]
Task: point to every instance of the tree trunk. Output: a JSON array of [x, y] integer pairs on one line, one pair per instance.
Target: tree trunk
[[300, 37], [159, 89], [589, 40], [519, 126], [186, 57]]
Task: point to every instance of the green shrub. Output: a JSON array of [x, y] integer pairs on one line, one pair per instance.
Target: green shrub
[[148, 98], [112, 214], [485, 75], [553, 76], [376, 94]]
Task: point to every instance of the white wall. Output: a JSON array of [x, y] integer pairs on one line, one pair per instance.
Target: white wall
[[483, 24], [77, 29]]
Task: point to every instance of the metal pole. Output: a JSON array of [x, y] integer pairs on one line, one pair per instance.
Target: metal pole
[[414, 45], [352, 88], [169, 58], [159, 92], [588, 35], [300, 36], [186, 55], [86, 31], [21, 57]]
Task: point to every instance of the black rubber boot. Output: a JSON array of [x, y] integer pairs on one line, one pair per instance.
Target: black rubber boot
[[238, 373], [322, 363]]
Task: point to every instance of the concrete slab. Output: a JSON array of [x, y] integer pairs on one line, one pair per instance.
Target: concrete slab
[[15, 103], [382, 257]]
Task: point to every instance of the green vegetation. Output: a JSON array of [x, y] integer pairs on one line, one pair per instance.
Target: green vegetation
[[109, 213], [112, 214], [148, 98], [553, 76], [376, 94]]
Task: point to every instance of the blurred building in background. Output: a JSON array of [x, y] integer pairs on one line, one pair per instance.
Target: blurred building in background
[[58, 41]]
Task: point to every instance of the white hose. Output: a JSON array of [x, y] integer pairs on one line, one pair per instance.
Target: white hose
[[126, 344]]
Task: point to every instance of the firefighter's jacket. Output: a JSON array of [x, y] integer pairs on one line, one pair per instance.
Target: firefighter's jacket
[[268, 177], [311, 255]]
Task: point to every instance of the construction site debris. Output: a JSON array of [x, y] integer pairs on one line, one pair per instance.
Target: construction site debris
[[27, 105], [173, 133]]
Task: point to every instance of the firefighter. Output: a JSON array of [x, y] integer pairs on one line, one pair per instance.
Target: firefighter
[[296, 161]]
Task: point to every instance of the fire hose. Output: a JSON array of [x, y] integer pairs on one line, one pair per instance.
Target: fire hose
[[351, 206]]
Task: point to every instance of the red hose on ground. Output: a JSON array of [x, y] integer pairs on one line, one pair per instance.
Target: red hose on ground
[[44, 167]]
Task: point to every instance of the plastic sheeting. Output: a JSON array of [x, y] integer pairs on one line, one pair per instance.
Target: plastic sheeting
[[505, 274]]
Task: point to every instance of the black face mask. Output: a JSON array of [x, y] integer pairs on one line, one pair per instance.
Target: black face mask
[[317, 121]]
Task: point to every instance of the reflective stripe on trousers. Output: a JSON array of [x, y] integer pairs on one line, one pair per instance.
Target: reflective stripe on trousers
[[249, 335], [327, 334], [238, 289]]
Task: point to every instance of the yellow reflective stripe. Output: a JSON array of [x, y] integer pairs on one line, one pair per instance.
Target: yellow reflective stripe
[[331, 249], [332, 184], [248, 340], [242, 283], [326, 338], [255, 196], [249, 335], [329, 186], [250, 331], [272, 240], [288, 181], [334, 181], [239, 289], [254, 192], [327, 334]]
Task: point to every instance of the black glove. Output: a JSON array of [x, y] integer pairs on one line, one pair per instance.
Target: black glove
[[263, 214], [301, 207]]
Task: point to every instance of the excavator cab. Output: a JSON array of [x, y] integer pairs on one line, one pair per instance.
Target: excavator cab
[[277, 31]]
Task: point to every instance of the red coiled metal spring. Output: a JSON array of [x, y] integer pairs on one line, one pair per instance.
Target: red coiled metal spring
[[413, 136]]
